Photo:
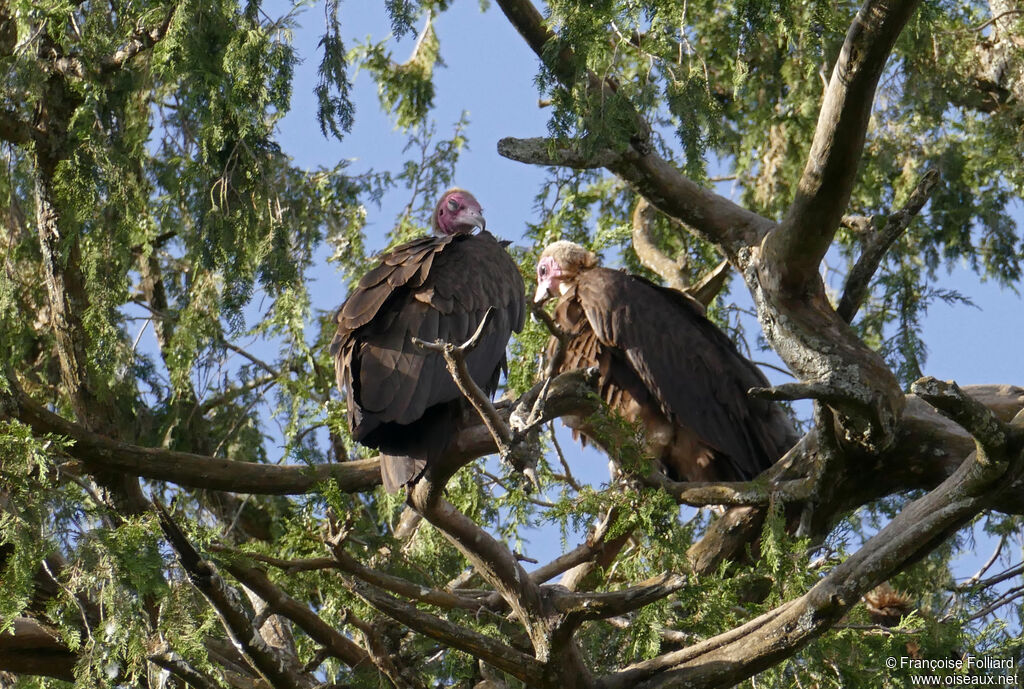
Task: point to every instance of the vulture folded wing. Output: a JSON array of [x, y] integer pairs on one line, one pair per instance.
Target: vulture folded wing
[[691, 368], [475, 274], [434, 288]]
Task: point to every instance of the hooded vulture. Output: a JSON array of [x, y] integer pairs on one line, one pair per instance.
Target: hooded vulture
[[401, 399], [663, 365]]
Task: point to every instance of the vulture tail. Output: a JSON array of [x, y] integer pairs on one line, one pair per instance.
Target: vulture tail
[[397, 470], [407, 450]]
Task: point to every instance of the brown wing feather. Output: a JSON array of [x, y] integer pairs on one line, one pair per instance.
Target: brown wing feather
[[400, 397], [658, 349]]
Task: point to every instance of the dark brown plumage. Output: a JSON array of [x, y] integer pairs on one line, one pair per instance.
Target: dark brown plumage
[[401, 399], [665, 366]]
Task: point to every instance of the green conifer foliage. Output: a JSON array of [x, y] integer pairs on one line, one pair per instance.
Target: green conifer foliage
[[154, 533]]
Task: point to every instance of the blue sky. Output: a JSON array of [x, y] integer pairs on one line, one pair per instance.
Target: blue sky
[[490, 74]]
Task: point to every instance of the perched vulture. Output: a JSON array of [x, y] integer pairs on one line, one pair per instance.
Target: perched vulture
[[664, 365], [401, 399]]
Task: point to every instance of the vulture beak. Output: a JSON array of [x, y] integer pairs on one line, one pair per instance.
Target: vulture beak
[[472, 218], [542, 293]]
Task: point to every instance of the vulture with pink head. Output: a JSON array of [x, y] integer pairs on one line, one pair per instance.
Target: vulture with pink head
[[665, 366], [401, 398]]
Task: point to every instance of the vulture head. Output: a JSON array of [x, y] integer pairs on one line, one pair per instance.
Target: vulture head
[[558, 266], [458, 212]]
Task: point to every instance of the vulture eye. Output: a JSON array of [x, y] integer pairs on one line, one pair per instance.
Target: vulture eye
[[452, 205], [542, 271]]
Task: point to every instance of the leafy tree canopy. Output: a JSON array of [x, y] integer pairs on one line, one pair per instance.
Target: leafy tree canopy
[[196, 514]]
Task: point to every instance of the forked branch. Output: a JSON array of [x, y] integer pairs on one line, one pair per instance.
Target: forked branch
[[877, 243], [797, 247]]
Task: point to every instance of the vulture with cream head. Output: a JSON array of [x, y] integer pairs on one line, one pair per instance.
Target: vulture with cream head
[[663, 365]]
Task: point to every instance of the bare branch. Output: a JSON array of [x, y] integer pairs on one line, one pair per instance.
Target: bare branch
[[335, 643], [398, 585], [455, 360], [824, 392], [499, 655], [991, 434], [798, 245], [541, 151], [179, 667], [708, 287], [594, 548], [579, 607], [30, 648], [739, 653], [489, 556], [713, 217], [648, 252], [877, 245], [184, 468], [733, 494]]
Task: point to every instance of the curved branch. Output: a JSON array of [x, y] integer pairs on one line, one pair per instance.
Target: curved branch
[[541, 151], [333, 641], [715, 218], [732, 657], [269, 662], [494, 652], [799, 244], [648, 252]]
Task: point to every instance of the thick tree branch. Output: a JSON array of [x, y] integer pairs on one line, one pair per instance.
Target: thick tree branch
[[991, 435], [877, 244], [32, 649], [570, 392], [541, 151], [798, 245], [731, 494], [713, 217], [579, 607], [731, 657], [184, 468], [489, 556]]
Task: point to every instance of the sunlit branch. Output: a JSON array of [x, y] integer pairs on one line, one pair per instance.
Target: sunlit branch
[[648, 252], [173, 663], [796, 248], [990, 434], [455, 360], [732, 494]]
